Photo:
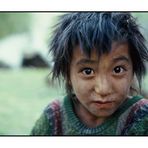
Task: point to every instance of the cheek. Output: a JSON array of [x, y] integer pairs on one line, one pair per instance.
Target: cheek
[[80, 87], [123, 86]]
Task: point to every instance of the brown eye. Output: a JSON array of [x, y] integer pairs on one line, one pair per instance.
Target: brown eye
[[87, 71], [118, 69]]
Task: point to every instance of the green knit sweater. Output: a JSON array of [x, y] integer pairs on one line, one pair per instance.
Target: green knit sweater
[[59, 118]]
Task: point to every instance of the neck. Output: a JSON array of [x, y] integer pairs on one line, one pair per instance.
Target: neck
[[86, 117]]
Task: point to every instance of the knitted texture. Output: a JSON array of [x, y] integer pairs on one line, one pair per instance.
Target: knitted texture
[[59, 118]]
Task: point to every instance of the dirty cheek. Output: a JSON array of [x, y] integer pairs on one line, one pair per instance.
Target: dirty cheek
[[81, 87], [123, 87]]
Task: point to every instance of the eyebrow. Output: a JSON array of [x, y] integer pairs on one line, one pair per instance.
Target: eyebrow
[[85, 61], [116, 59], [121, 58]]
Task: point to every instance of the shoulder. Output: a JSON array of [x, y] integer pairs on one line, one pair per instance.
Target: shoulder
[[53, 108], [137, 120], [141, 105], [41, 127], [46, 122], [139, 109]]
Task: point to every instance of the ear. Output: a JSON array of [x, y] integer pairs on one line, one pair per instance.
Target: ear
[[69, 82], [134, 82], [134, 86]]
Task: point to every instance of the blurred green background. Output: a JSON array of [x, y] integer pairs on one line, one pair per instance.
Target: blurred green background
[[26, 90]]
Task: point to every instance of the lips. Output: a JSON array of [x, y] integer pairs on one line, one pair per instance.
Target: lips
[[103, 102]]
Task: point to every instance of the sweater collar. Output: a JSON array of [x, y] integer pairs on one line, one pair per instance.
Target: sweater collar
[[83, 129]]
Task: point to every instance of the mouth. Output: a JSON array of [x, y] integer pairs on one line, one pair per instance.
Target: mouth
[[103, 102], [106, 104]]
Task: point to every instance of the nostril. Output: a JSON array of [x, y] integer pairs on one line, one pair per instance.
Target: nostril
[[103, 90], [103, 86]]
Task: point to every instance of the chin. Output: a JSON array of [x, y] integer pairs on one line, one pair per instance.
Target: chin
[[105, 114]]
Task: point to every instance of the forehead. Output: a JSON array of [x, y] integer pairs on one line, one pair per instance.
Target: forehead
[[117, 49]]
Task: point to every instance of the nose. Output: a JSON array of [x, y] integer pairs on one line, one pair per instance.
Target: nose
[[103, 86]]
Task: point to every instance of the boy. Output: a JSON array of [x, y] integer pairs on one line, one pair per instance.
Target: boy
[[98, 55]]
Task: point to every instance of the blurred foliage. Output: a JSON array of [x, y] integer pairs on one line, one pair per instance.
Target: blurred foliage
[[14, 23]]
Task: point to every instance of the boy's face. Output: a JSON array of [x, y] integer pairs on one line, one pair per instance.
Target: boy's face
[[101, 84]]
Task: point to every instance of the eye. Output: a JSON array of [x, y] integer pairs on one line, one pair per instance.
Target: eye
[[88, 71], [118, 69]]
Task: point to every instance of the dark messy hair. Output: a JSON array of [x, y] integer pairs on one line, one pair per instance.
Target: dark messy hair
[[95, 30]]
